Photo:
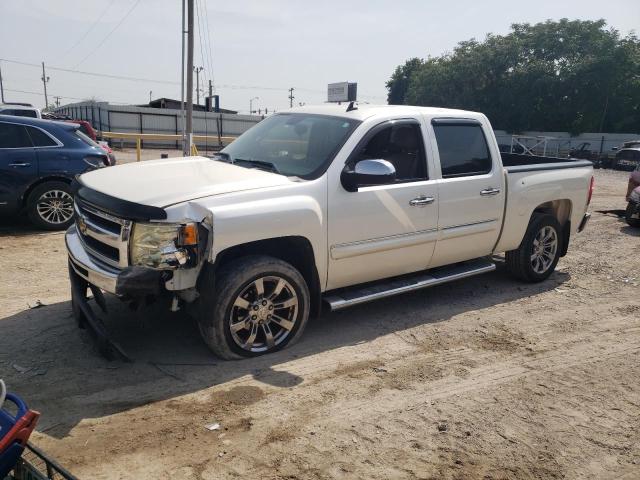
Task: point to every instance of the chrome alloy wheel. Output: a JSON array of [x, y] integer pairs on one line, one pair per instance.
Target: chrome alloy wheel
[[263, 314], [545, 248], [55, 207]]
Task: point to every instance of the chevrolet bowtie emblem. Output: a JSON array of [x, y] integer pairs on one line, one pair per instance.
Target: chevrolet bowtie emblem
[[82, 226]]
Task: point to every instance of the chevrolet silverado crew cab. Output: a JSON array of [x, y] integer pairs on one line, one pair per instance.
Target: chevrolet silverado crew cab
[[327, 204]]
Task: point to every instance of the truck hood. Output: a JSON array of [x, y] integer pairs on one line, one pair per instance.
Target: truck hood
[[160, 183]]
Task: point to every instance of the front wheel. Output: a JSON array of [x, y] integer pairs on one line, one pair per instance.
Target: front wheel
[[254, 305], [632, 215], [538, 254], [50, 206]]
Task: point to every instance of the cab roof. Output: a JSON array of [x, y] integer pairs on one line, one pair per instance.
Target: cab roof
[[366, 110]]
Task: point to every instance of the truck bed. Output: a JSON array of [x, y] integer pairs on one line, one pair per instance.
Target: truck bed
[[517, 162]]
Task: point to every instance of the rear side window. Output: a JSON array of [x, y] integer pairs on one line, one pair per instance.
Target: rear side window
[[463, 150], [19, 113], [25, 113], [14, 136], [40, 139], [85, 139]]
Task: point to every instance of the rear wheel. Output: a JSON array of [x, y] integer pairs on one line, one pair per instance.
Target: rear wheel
[[632, 215], [538, 254], [258, 305], [50, 206]]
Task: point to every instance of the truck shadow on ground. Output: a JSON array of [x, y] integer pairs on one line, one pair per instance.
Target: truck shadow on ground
[[46, 359]]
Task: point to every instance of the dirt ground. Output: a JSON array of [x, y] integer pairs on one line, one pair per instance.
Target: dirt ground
[[486, 378]]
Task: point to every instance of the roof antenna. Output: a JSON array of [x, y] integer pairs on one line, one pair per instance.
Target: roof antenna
[[352, 106]]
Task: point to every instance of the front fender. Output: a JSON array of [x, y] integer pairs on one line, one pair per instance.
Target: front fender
[[296, 215]]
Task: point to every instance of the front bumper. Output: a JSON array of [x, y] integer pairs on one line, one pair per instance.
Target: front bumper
[[584, 221], [101, 276], [132, 281]]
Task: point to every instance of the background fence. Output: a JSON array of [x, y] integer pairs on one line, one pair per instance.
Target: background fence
[[131, 119]]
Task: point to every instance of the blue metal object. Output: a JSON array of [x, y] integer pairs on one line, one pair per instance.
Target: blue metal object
[[9, 457], [33, 151]]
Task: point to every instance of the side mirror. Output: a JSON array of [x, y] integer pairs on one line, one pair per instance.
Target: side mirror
[[368, 173]]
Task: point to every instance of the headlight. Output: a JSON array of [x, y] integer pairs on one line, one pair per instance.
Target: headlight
[[634, 197], [164, 245]]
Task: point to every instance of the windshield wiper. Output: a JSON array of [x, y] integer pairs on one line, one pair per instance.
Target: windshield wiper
[[261, 164], [222, 157]]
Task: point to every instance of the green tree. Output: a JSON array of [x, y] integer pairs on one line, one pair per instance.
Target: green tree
[[573, 76], [399, 82]]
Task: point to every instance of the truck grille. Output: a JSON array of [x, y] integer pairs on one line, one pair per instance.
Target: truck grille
[[104, 236]]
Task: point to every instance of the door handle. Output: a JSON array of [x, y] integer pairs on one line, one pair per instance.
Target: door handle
[[487, 192], [21, 164], [421, 201]]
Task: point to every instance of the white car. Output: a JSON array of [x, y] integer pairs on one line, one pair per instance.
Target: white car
[[327, 204], [19, 110]]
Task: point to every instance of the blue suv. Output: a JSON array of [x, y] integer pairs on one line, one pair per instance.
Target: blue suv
[[38, 161]]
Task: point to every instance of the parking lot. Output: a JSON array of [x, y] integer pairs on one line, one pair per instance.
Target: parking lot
[[483, 378]]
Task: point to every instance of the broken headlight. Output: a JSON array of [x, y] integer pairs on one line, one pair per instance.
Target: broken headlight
[[164, 245]]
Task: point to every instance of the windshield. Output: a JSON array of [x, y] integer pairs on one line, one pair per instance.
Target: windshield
[[292, 144]]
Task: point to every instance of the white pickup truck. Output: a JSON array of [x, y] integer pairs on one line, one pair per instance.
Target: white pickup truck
[[329, 204]]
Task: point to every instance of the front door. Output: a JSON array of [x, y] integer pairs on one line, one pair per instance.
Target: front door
[[18, 164], [385, 230]]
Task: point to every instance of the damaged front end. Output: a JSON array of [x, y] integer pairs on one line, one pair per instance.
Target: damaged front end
[[133, 252]]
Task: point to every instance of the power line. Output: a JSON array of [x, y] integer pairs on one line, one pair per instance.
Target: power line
[[168, 82], [108, 34], [57, 96], [202, 62], [93, 25], [93, 74], [206, 16]]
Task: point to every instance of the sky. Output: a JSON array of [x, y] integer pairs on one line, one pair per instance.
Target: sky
[[251, 48]]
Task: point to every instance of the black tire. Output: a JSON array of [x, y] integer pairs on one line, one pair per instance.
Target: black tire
[[519, 262], [216, 311], [49, 194], [631, 210]]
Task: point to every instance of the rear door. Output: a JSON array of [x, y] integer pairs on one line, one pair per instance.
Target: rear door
[[18, 164], [471, 192]]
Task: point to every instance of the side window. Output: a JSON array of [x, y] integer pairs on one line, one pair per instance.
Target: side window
[[463, 150], [14, 136], [25, 113], [401, 145], [40, 139]]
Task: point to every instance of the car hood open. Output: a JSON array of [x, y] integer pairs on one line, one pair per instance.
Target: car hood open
[[165, 182]]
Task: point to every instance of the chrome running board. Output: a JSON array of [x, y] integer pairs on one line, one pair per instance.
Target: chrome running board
[[347, 297]]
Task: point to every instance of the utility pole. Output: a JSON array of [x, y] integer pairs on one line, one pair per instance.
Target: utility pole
[[150, 93], [198, 70], [251, 104], [57, 101], [45, 79], [182, 32], [1, 87], [210, 88], [189, 131], [291, 97]]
